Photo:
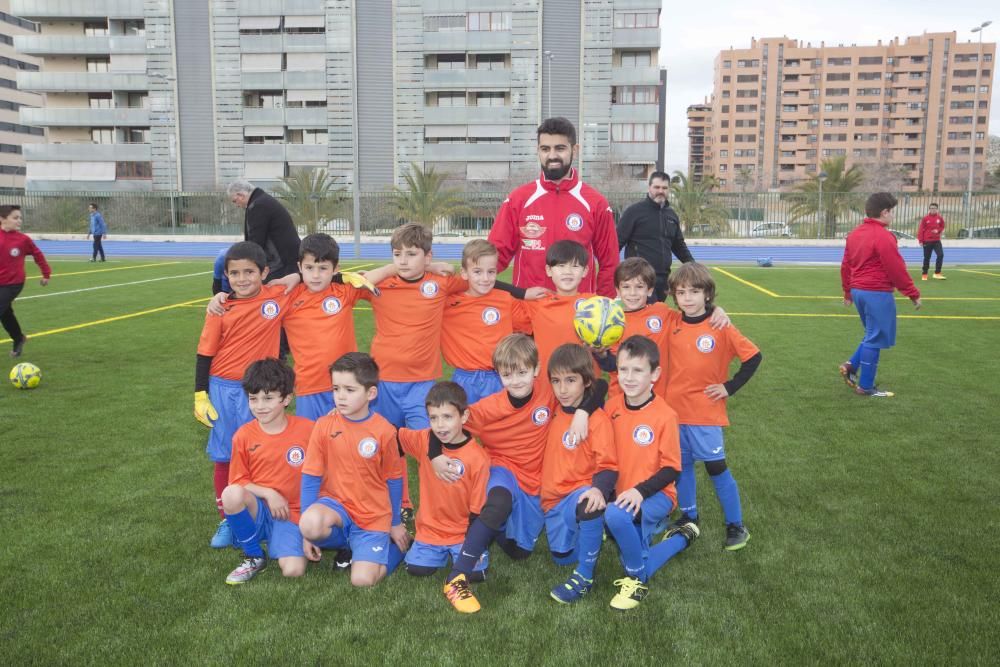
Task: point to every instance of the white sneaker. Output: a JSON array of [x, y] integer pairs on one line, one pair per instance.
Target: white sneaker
[[247, 570]]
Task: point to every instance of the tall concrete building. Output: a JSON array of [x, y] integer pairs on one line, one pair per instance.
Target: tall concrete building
[[189, 94], [699, 117], [781, 107], [13, 133]]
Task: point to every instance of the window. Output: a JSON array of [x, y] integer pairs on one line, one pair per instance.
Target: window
[[260, 25], [633, 132], [98, 64], [746, 108], [650, 19], [134, 27], [263, 99], [749, 123], [488, 21], [869, 76], [748, 63], [726, 64], [840, 106], [451, 99], [134, 170], [137, 100], [870, 60], [297, 99], [311, 137], [264, 135], [100, 101], [135, 135], [447, 23], [747, 93], [834, 137], [789, 108], [724, 153], [491, 61], [837, 92], [95, 28], [867, 106], [634, 59], [725, 123], [747, 78], [862, 92], [838, 62], [838, 76], [963, 73], [305, 25], [636, 95], [102, 135], [726, 78], [490, 100]]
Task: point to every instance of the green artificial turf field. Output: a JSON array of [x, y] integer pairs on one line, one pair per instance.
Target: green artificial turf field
[[874, 521]]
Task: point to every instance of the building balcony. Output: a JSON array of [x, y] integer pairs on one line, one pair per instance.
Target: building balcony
[[467, 152], [78, 45], [283, 152], [308, 80], [304, 117], [90, 187], [627, 38], [264, 152], [89, 152], [478, 41], [85, 117], [40, 10], [443, 79], [275, 7], [282, 43], [634, 113], [306, 153], [635, 76], [466, 115], [634, 153], [69, 82]]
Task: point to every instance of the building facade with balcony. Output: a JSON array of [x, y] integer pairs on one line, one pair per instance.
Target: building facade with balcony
[[908, 108], [699, 117], [14, 133], [268, 88]]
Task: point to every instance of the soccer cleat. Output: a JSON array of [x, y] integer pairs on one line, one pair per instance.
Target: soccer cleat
[[406, 514], [874, 392], [572, 589], [682, 520], [630, 594], [18, 347], [689, 530], [460, 595], [939, 276], [847, 372], [923, 276], [223, 536], [248, 569], [342, 559], [737, 536]]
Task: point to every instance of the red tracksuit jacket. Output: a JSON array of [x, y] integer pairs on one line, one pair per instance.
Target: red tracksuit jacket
[[14, 246], [930, 229], [538, 214], [872, 262]]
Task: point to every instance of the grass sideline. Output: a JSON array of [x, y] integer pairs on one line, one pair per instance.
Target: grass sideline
[[870, 520]]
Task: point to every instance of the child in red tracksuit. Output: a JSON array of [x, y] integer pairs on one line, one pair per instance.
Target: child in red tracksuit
[[929, 236], [14, 247]]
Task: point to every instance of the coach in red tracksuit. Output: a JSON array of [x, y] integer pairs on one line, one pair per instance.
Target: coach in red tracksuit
[[929, 236], [557, 206], [14, 247]]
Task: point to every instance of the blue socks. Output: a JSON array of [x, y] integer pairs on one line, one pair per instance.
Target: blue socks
[[869, 366], [687, 494], [395, 558], [855, 360], [729, 496], [477, 540], [660, 553], [245, 528], [589, 546], [622, 527]]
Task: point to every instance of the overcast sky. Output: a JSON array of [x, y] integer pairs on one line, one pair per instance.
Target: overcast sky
[[693, 34]]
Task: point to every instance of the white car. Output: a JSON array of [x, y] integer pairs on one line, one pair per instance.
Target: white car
[[771, 229]]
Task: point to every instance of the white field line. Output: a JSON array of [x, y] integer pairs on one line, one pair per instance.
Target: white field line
[[91, 289]]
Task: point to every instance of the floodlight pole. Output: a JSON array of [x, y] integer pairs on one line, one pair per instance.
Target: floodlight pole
[[975, 114]]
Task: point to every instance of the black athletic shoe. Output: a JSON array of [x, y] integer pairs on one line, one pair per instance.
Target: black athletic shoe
[[342, 559], [737, 536], [18, 347], [406, 514]]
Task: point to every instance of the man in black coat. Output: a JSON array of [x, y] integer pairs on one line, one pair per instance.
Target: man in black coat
[[651, 229], [268, 224]]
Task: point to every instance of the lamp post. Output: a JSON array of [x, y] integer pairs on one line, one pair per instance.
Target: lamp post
[[819, 207], [975, 114], [549, 57]]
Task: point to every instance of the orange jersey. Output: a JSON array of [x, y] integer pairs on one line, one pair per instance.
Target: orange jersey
[[552, 321], [646, 440], [355, 460], [408, 316], [700, 356], [474, 325], [320, 327], [249, 331], [654, 322], [515, 437], [443, 517], [271, 460], [568, 465]]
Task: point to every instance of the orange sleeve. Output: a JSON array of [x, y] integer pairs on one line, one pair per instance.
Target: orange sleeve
[[521, 317], [478, 496], [670, 442], [392, 462], [742, 346], [315, 463], [486, 412], [239, 465], [602, 440], [410, 441], [211, 336], [455, 284]]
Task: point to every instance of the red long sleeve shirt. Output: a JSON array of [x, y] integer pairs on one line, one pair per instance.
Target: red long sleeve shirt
[[14, 246], [931, 228], [872, 262], [538, 214]]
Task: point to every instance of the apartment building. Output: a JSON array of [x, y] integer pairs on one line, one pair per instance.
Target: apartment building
[[267, 88], [781, 107], [13, 133], [699, 117]]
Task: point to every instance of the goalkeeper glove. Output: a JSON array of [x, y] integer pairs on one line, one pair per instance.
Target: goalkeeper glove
[[204, 411], [359, 281]]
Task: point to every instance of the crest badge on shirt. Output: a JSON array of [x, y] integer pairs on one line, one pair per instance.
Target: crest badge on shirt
[[642, 435], [14, 252], [458, 467], [429, 288], [654, 324], [368, 447], [331, 305], [540, 416], [491, 316], [295, 456], [574, 222], [532, 230], [269, 309], [569, 441], [705, 343]]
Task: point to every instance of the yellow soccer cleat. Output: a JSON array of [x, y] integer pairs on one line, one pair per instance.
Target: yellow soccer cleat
[[460, 595], [630, 594]]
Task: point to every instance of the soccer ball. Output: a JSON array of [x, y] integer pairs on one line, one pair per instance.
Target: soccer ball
[[599, 321], [25, 376]]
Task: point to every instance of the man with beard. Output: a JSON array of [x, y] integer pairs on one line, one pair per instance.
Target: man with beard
[[555, 207], [651, 229]]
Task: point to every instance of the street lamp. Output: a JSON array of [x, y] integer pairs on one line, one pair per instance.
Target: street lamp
[[819, 209], [549, 57], [975, 114]]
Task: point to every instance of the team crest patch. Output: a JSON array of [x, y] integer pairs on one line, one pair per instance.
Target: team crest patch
[[705, 343], [270, 309], [642, 435], [368, 447], [532, 230], [331, 305], [295, 456], [540, 416], [654, 324], [569, 441], [491, 316], [429, 288], [458, 467], [574, 222], [14, 252]]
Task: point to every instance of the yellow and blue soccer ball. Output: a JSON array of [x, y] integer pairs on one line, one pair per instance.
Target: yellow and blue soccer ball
[[25, 376], [599, 321]]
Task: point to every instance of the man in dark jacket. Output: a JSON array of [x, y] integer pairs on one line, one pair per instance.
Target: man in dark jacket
[[651, 229], [269, 225]]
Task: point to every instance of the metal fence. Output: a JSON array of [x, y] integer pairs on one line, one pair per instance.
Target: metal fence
[[743, 215]]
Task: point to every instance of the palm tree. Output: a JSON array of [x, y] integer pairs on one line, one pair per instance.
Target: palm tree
[[425, 199], [839, 200], [311, 198], [696, 205]]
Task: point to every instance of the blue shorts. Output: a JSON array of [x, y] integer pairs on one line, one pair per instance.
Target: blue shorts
[[653, 515], [314, 406], [878, 315], [283, 537], [230, 401], [477, 384], [422, 554], [702, 443], [371, 546], [561, 526], [402, 403], [526, 519]]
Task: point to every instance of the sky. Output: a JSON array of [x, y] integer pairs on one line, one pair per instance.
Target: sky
[[691, 40]]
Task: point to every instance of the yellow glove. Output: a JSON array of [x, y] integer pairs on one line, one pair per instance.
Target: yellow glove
[[359, 281], [204, 411]]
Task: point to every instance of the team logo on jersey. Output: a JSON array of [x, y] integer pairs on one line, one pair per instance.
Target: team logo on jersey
[[368, 447], [331, 305], [642, 435], [14, 252], [705, 343], [458, 467], [540, 416], [569, 440], [532, 244], [429, 288], [295, 456], [574, 222], [270, 309], [532, 230], [491, 316], [654, 324]]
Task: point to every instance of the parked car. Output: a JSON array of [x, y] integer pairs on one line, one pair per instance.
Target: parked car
[[902, 236], [982, 233], [771, 229]]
